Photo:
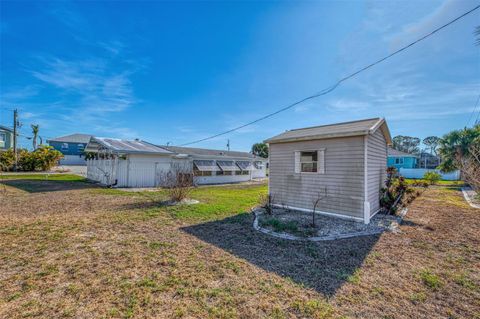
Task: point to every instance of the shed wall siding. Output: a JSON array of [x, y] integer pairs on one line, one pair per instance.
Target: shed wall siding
[[377, 165], [343, 178]]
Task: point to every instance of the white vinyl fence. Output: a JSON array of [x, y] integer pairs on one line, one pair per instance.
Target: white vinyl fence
[[419, 172]]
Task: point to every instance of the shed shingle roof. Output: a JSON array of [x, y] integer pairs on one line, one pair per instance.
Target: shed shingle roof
[[354, 128], [72, 138]]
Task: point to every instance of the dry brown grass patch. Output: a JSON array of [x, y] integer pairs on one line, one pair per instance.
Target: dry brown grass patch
[[89, 254]]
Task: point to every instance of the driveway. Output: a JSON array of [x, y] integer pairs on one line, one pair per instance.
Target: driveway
[[74, 169]]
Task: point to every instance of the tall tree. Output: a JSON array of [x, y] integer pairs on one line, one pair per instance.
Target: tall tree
[[260, 149], [455, 145], [35, 129], [432, 143], [407, 144]]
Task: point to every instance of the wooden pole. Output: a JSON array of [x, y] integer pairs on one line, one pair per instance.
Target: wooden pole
[[15, 122]]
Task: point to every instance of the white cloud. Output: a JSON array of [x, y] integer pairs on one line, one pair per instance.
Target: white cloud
[[447, 11], [96, 89], [19, 94], [116, 131], [343, 105]]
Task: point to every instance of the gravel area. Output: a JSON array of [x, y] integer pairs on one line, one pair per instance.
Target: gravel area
[[299, 224], [471, 197]]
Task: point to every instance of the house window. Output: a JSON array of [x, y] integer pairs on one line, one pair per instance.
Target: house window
[[220, 173], [308, 162], [241, 172], [196, 172], [80, 147], [64, 146], [399, 160], [3, 139], [258, 164]]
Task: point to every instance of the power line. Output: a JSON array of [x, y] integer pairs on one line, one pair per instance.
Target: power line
[[473, 112], [334, 86]]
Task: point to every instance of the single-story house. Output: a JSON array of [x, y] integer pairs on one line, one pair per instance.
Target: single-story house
[[427, 160], [6, 138], [72, 147], [343, 165], [399, 159], [137, 163]]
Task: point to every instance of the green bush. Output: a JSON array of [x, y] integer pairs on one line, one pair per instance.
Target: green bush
[[42, 159], [432, 177], [7, 159]]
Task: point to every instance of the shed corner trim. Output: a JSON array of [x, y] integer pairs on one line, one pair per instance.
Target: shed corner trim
[[366, 203]]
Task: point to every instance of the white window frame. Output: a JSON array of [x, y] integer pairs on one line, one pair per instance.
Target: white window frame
[[320, 161], [399, 161], [64, 146], [3, 139]]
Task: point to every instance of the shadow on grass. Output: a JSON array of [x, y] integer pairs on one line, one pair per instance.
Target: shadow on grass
[[323, 266], [39, 186]]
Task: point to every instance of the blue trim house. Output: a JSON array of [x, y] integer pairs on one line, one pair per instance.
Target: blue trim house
[[6, 138], [399, 159], [72, 147]]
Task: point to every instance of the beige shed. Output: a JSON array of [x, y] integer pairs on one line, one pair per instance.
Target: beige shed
[[344, 164]]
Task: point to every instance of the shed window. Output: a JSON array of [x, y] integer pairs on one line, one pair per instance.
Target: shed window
[[310, 161]]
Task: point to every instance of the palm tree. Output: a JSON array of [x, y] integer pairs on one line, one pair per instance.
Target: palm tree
[[455, 145], [35, 129]]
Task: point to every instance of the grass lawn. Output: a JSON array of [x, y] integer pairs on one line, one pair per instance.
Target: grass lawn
[[442, 182], [70, 249]]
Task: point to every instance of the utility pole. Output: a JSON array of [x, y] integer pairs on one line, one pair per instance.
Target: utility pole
[[15, 123], [228, 145]]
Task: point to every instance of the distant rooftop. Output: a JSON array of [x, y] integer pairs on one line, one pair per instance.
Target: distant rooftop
[[72, 138], [354, 128], [5, 128], [123, 146], [397, 153], [206, 152]]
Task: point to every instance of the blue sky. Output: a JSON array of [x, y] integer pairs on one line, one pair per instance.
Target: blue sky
[[179, 71]]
